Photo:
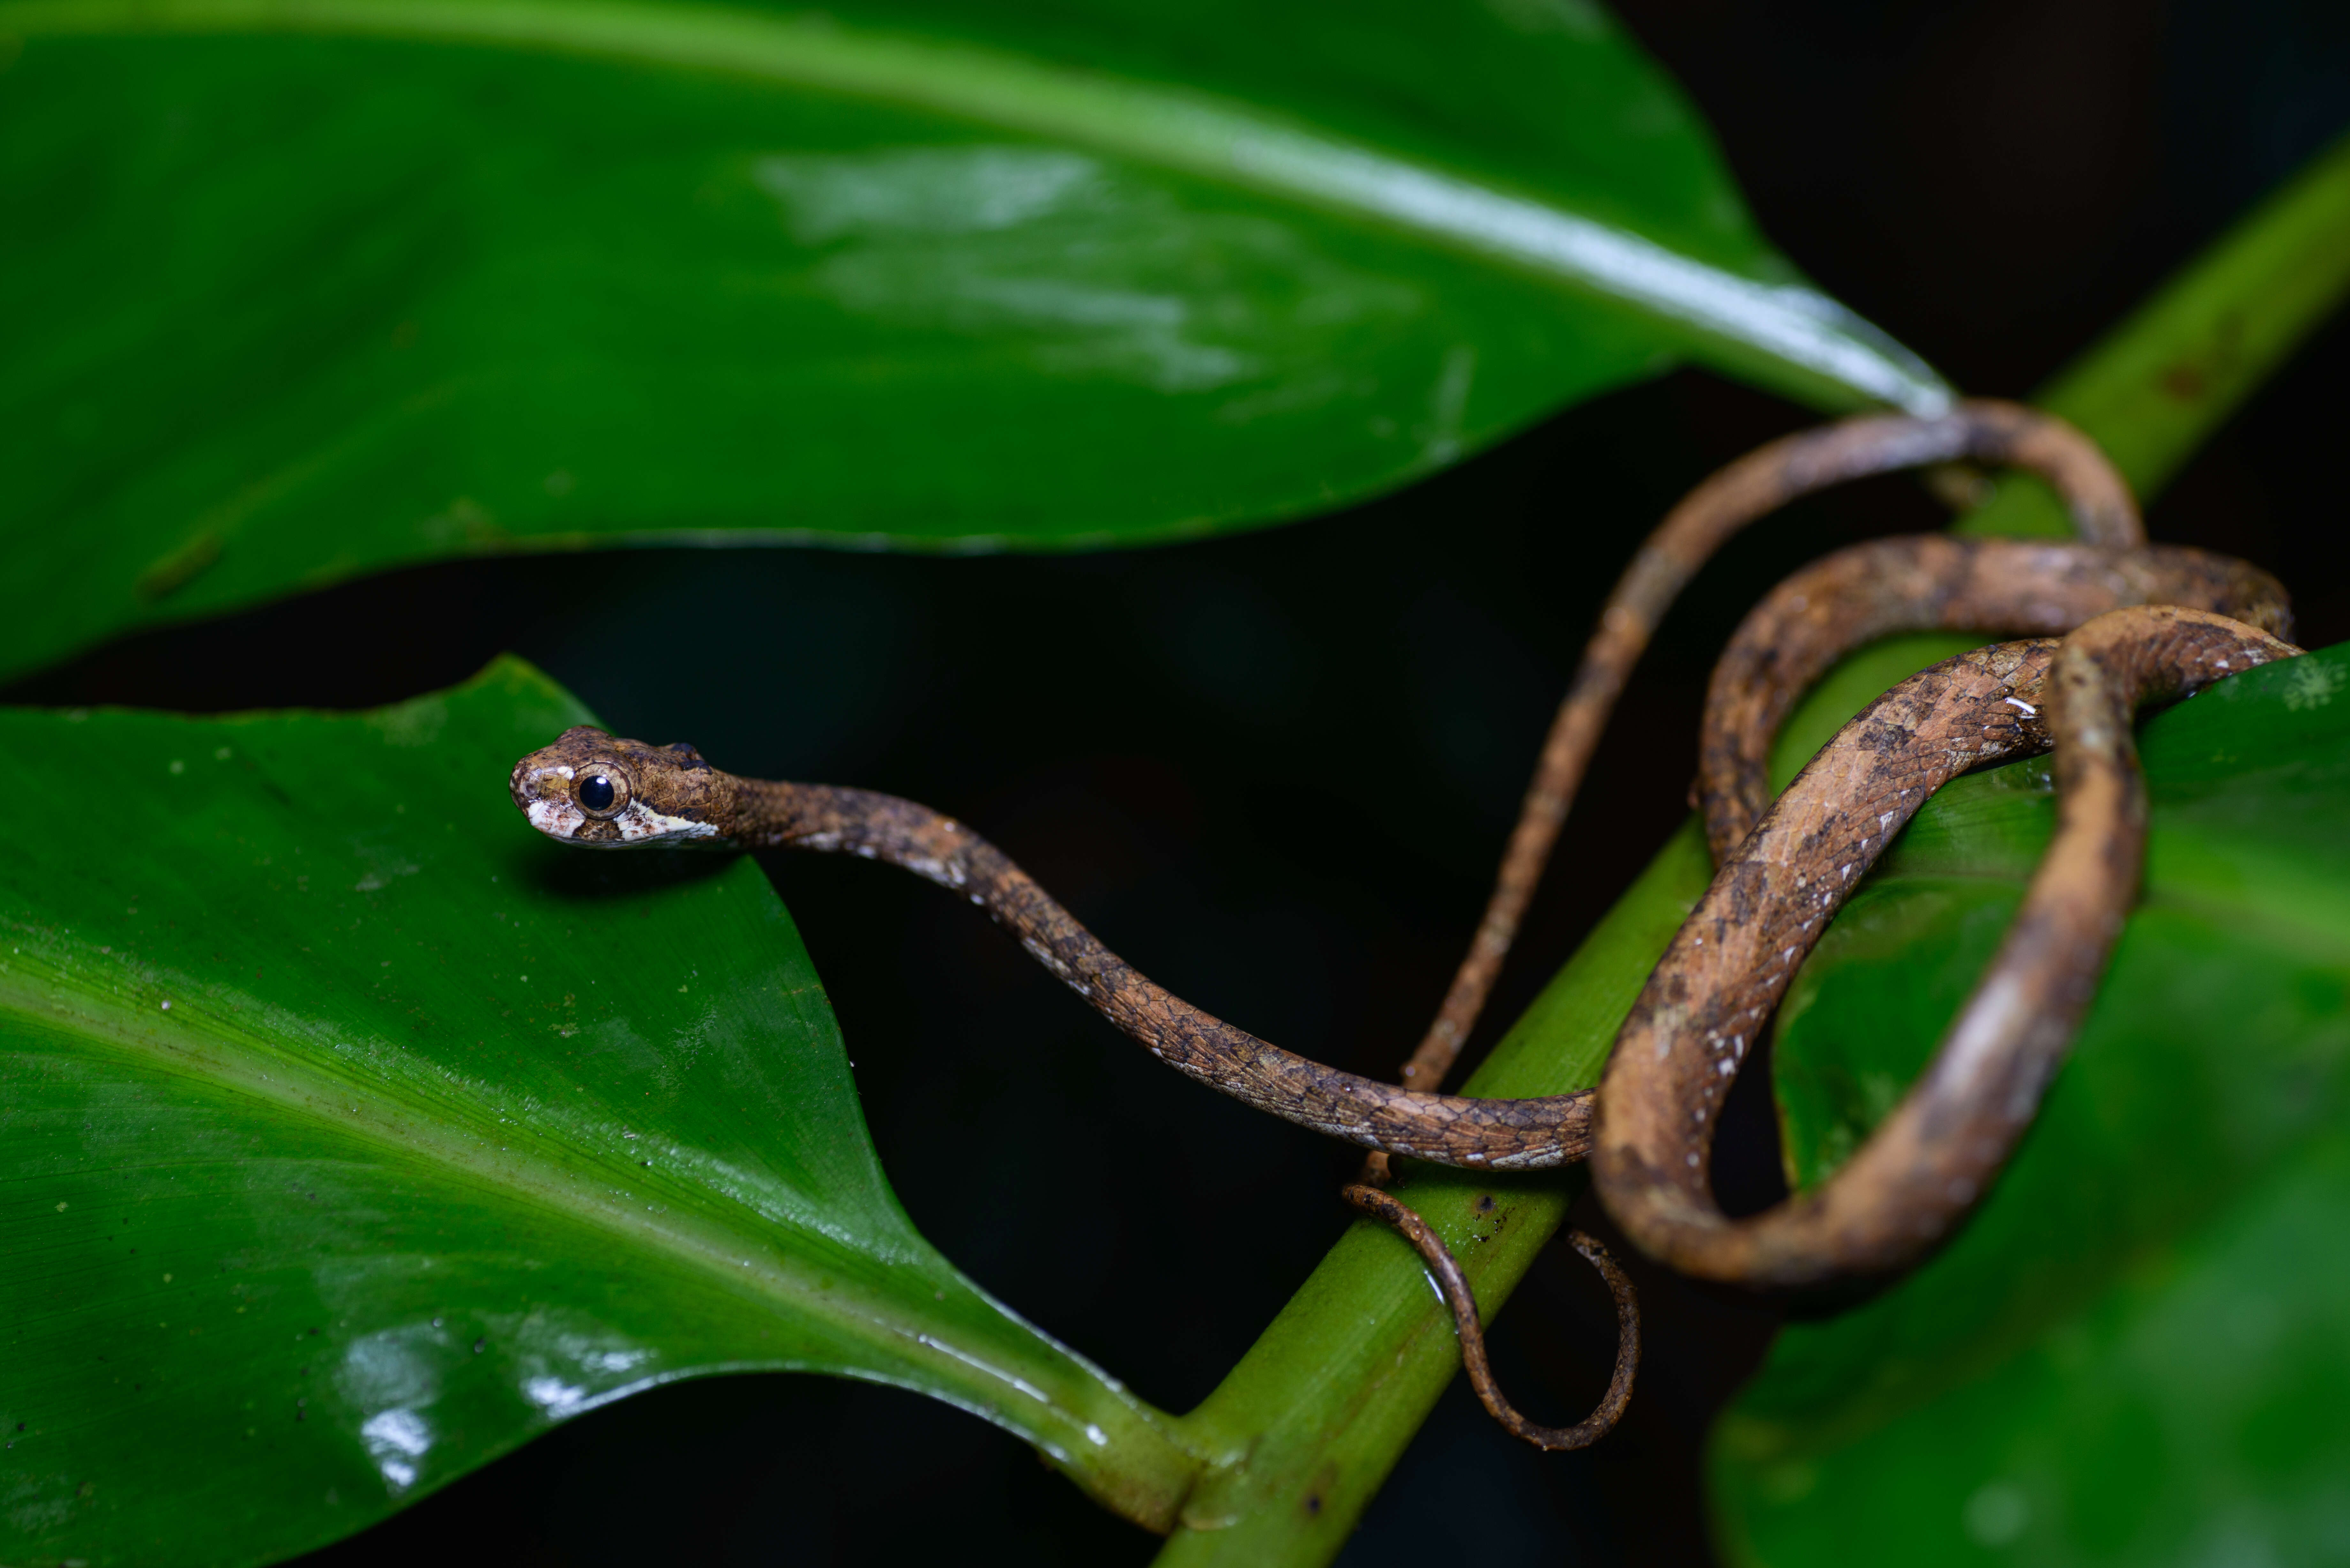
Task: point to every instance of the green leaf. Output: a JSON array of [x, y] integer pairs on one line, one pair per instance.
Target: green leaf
[[2135, 1351], [306, 288], [355, 1134]]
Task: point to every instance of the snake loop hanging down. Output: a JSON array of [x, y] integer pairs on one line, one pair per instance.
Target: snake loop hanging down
[[2140, 623]]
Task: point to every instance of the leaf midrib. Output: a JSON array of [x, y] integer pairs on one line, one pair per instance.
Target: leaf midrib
[[199, 1045], [1196, 134], [1016, 1378]]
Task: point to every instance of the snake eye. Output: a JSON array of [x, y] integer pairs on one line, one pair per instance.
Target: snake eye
[[600, 791]]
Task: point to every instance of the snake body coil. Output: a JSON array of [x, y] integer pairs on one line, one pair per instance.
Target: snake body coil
[[592, 789], [2140, 623], [1726, 968]]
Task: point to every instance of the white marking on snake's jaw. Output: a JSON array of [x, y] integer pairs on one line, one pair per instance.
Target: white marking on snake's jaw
[[556, 818], [2029, 710], [640, 824]]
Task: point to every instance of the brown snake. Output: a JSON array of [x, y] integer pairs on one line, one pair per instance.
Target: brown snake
[[589, 788], [1724, 974]]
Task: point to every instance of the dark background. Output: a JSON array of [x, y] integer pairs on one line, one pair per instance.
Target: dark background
[[1276, 771]]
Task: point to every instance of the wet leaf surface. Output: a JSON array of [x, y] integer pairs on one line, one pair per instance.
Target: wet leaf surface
[[302, 291], [355, 1134]]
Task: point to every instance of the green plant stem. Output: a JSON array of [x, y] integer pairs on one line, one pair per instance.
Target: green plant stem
[[1319, 1411], [1310, 1422], [1782, 335]]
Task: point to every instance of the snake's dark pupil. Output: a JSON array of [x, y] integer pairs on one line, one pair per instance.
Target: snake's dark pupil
[[595, 793]]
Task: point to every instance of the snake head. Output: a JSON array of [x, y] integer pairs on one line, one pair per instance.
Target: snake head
[[598, 790]]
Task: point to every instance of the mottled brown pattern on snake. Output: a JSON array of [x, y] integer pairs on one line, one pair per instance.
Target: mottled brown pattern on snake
[[1682, 1047], [678, 785], [2012, 587], [2005, 434]]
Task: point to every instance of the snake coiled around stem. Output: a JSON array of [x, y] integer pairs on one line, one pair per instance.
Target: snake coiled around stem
[[2140, 623]]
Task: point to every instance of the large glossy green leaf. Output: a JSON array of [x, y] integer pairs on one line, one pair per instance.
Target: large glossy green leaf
[[354, 1134], [2138, 1350], [303, 288]]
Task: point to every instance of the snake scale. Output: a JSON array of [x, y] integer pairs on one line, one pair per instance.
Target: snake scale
[[2138, 623]]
